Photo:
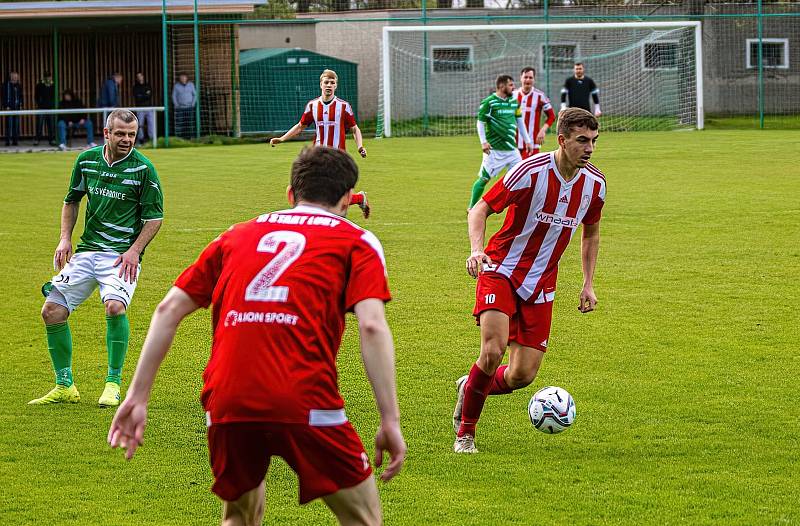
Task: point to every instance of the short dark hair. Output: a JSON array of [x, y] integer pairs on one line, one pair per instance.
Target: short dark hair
[[323, 175], [125, 116], [527, 69], [502, 80], [570, 118], [578, 64]]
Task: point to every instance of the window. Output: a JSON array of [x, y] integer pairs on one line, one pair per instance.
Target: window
[[775, 53], [660, 55], [558, 55], [447, 59]]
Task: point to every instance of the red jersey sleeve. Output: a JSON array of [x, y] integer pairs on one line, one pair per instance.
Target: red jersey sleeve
[[308, 117], [349, 118], [367, 278], [200, 279], [594, 212], [512, 187]]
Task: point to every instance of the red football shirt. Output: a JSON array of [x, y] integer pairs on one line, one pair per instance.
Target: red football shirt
[[544, 210], [331, 120], [280, 286]]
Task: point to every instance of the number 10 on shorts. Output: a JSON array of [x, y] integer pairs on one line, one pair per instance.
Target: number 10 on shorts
[[489, 299]]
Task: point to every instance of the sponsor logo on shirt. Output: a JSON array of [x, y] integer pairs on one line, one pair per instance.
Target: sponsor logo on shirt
[[288, 219], [585, 202], [235, 317], [105, 192], [552, 219]]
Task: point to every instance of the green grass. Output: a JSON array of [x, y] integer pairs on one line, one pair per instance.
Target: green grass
[[685, 378]]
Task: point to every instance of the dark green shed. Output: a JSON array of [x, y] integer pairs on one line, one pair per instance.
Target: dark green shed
[[276, 83]]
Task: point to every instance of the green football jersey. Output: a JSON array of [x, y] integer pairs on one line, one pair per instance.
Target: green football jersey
[[500, 116], [120, 198]]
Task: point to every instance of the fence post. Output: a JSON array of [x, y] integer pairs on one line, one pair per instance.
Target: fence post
[[56, 89], [425, 69], [165, 70], [760, 65], [196, 30]]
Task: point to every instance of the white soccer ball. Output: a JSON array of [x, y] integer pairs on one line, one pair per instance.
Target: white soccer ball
[[552, 410]]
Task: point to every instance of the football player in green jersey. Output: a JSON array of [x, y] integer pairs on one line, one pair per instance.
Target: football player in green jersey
[[123, 214], [499, 120]]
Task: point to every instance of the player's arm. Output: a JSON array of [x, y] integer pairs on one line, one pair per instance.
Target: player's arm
[[564, 93], [590, 246], [129, 261], [69, 216], [551, 118], [483, 117], [522, 130], [596, 99], [127, 428], [294, 131], [359, 140], [377, 352], [476, 223]]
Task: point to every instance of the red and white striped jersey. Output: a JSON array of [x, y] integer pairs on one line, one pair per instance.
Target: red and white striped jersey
[[544, 211], [331, 119], [532, 105]]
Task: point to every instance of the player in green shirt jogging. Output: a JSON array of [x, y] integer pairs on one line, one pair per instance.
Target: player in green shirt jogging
[[499, 119], [123, 214]]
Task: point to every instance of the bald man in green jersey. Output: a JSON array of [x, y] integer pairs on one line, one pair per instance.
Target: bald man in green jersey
[[499, 119]]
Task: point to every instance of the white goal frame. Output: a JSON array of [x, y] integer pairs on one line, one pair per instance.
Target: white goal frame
[[386, 55]]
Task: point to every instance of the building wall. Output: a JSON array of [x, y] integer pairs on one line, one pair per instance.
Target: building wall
[[278, 35]]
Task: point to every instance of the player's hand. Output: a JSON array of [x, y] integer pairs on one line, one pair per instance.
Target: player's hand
[[363, 152], [476, 261], [486, 147], [390, 439], [128, 265], [127, 427], [275, 141], [588, 300], [597, 112], [528, 147], [62, 255], [540, 136]]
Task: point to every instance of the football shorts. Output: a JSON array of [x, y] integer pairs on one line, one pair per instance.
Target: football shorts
[[496, 161], [85, 272]]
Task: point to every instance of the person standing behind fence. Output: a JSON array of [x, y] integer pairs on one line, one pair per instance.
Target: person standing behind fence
[[12, 101], [73, 121], [579, 88], [109, 93], [45, 98], [184, 98], [143, 96]]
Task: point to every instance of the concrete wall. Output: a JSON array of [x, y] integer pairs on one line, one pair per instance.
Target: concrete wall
[[278, 35]]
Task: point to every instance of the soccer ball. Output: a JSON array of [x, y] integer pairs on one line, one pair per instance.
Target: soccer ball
[[552, 410]]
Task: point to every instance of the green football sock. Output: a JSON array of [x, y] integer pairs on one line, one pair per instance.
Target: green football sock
[[478, 187], [59, 343], [117, 332]]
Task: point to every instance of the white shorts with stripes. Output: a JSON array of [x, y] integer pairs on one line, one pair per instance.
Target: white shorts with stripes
[[496, 161], [87, 271]]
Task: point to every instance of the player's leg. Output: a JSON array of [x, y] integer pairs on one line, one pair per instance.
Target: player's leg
[[528, 345], [116, 294], [360, 199], [486, 172], [68, 289], [359, 505], [494, 339], [247, 510], [240, 455]]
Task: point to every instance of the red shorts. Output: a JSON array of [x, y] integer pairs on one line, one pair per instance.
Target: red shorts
[[529, 322], [326, 459]]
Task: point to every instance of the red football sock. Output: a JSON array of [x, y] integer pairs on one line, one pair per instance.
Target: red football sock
[[499, 385], [356, 199], [475, 393]]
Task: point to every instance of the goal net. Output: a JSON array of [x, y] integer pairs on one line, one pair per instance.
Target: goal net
[[433, 77]]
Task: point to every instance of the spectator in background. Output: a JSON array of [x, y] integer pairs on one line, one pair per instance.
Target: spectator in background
[[143, 96], [579, 88], [45, 98], [109, 93], [184, 98], [12, 101], [73, 121]]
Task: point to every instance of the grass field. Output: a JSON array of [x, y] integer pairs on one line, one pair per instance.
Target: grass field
[[685, 378]]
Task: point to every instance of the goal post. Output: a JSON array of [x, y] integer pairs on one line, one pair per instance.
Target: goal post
[[650, 74]]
